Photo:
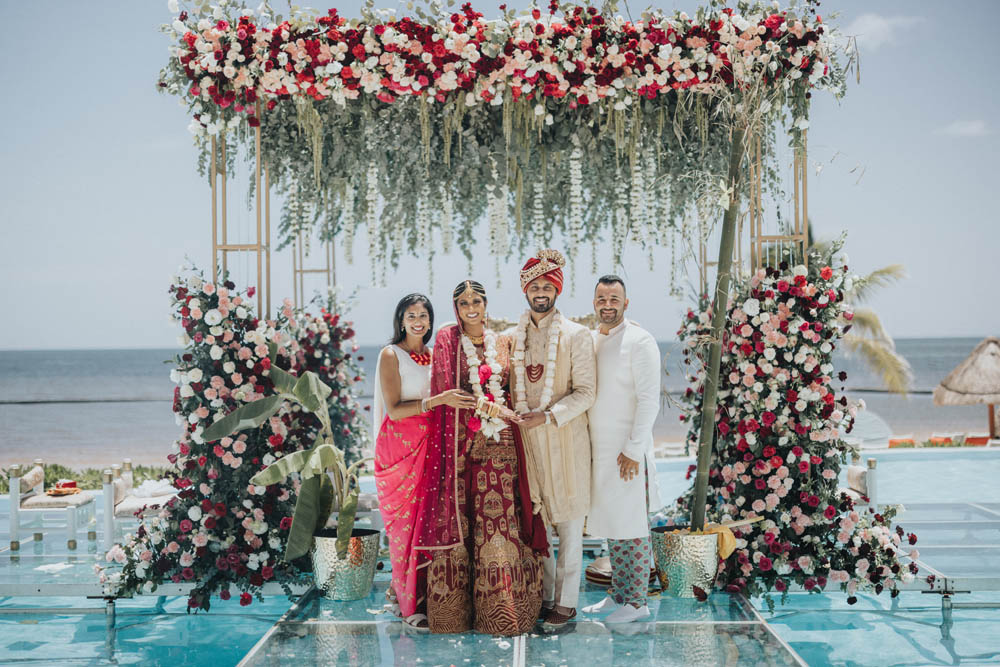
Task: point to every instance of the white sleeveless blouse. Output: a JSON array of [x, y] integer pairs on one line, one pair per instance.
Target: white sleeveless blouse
[[414, 384]]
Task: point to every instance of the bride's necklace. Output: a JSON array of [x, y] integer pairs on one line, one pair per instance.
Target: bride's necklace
[[487, 373], [520, 338]]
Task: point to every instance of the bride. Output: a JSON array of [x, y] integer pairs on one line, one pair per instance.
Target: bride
[[484, 540]]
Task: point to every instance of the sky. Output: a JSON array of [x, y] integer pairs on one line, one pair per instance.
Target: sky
[[100, 200]]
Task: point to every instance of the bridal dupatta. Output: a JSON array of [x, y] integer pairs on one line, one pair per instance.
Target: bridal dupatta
[[449, 517]]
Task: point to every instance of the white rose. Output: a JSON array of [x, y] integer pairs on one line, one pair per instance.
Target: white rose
[[179, 27], [213, 317], [195, 375], [241, 313], [751, 307], [229, 367], [215, 352], [194, 513], [186, 391]]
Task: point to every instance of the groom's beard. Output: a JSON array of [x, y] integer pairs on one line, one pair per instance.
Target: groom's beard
[[609, 316], [542, 304]]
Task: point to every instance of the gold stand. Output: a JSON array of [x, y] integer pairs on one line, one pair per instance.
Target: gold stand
[[761, 243], [262, 246], [299, 270]]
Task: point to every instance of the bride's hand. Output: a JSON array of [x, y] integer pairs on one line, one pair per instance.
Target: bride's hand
[[456, 398], [510, 416]]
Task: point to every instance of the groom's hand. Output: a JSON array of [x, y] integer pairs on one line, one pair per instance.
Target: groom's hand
[[532, 419]]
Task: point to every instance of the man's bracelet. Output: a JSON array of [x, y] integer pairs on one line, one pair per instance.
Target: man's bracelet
[[423, 405]]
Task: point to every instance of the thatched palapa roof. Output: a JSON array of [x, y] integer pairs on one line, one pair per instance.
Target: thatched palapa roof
[[976, 380]]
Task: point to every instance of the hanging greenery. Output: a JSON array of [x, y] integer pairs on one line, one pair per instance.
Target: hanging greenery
[[557, 122]]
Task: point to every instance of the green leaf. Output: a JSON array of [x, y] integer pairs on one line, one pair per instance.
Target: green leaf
[[311, 392], [322, 458], [284, 382], [251, 415], [325, 501], [281, 468], [300, 535], [345, 523], [272, 351]]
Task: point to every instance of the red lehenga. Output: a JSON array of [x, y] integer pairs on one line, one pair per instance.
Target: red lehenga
[[484, 542]]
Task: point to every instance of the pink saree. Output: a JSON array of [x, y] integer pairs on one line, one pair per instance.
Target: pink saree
[[400, 454]]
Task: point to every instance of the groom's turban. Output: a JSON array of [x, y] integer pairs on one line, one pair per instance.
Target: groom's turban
[[548, 263]]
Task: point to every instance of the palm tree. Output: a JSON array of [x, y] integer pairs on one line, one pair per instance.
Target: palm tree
[[867, 338]]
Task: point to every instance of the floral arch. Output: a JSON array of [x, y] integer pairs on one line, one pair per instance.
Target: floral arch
[[569, 120]]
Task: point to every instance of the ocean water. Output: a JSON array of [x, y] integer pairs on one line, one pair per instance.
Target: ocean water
[[95, 407]]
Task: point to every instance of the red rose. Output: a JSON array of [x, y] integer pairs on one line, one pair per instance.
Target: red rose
[[276, 440], [187, 573], [813, 501], [768, 418], [485, 373], [830, 512], [803, 467], [764, 564], [796, 450], [826, 273], [220, 509], [186, 525], [245, 599], [286, 523], [780, 585], [267, 572], [474, 424], [210, 523], [224, 594]]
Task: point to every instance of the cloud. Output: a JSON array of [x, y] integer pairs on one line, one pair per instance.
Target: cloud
[[874, 31], [966, 128]]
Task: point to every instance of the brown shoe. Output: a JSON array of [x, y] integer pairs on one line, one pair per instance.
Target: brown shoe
[[556, 619], [544, 612]]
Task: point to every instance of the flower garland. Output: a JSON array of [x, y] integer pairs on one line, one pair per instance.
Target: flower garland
[[485, 374], [520, 338]]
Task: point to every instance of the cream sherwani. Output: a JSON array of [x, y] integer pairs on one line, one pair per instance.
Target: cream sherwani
[[621, 422], [558, 453]]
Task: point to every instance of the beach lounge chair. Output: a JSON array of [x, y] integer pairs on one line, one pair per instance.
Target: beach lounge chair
[[902, 441], [29, 503], [861, 481], [121, 503]]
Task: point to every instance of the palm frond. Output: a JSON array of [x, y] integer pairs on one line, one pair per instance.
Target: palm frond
[[864, 287], [868, 325], [884, 360]]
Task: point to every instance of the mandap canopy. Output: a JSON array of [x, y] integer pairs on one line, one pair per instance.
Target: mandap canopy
[[566, 119]]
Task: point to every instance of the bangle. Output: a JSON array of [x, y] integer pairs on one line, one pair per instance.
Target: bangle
[[423, 404]]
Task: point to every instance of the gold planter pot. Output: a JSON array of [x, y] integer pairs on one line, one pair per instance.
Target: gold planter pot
[[684, 561], [351, 577]]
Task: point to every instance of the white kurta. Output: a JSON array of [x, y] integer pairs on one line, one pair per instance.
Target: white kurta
[[621, 421]]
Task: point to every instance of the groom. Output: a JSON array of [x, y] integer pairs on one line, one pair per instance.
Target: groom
[[553, 387]]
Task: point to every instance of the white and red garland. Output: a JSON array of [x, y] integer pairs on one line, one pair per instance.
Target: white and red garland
[[520, 338], [485, 374]]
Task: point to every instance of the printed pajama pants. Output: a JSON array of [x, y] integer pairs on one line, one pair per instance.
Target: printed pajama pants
[[631, 561]]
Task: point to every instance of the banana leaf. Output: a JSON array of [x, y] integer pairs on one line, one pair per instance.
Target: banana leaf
[[309, 462], [304, 520], [345, 522], [311, 392], [284, 382], [251, 415]]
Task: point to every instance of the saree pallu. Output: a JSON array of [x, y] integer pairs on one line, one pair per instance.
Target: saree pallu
[[400, 455]]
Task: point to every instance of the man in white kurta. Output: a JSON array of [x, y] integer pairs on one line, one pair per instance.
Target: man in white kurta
[[623, 489]]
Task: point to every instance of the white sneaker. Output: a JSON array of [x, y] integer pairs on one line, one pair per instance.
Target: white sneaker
[[607, 604], [627, 614]]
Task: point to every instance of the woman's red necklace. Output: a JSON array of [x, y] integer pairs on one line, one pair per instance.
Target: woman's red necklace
[[421, 359]]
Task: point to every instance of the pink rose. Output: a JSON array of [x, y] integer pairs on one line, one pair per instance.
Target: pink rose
[[485, 372]]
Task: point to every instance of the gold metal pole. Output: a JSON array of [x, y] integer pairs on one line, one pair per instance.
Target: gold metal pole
[[260, 291], [302, 265], [215, 233], [267, 226], [295, 273], [225, 206], [805, 201]]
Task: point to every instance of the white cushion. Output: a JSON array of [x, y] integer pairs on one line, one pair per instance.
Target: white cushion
[[45, 501], [857, 479], [32, 478], [122, 489], [127, 508]]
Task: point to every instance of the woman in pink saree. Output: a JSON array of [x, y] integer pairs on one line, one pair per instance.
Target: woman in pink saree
[[479, 528], [403, 421]]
